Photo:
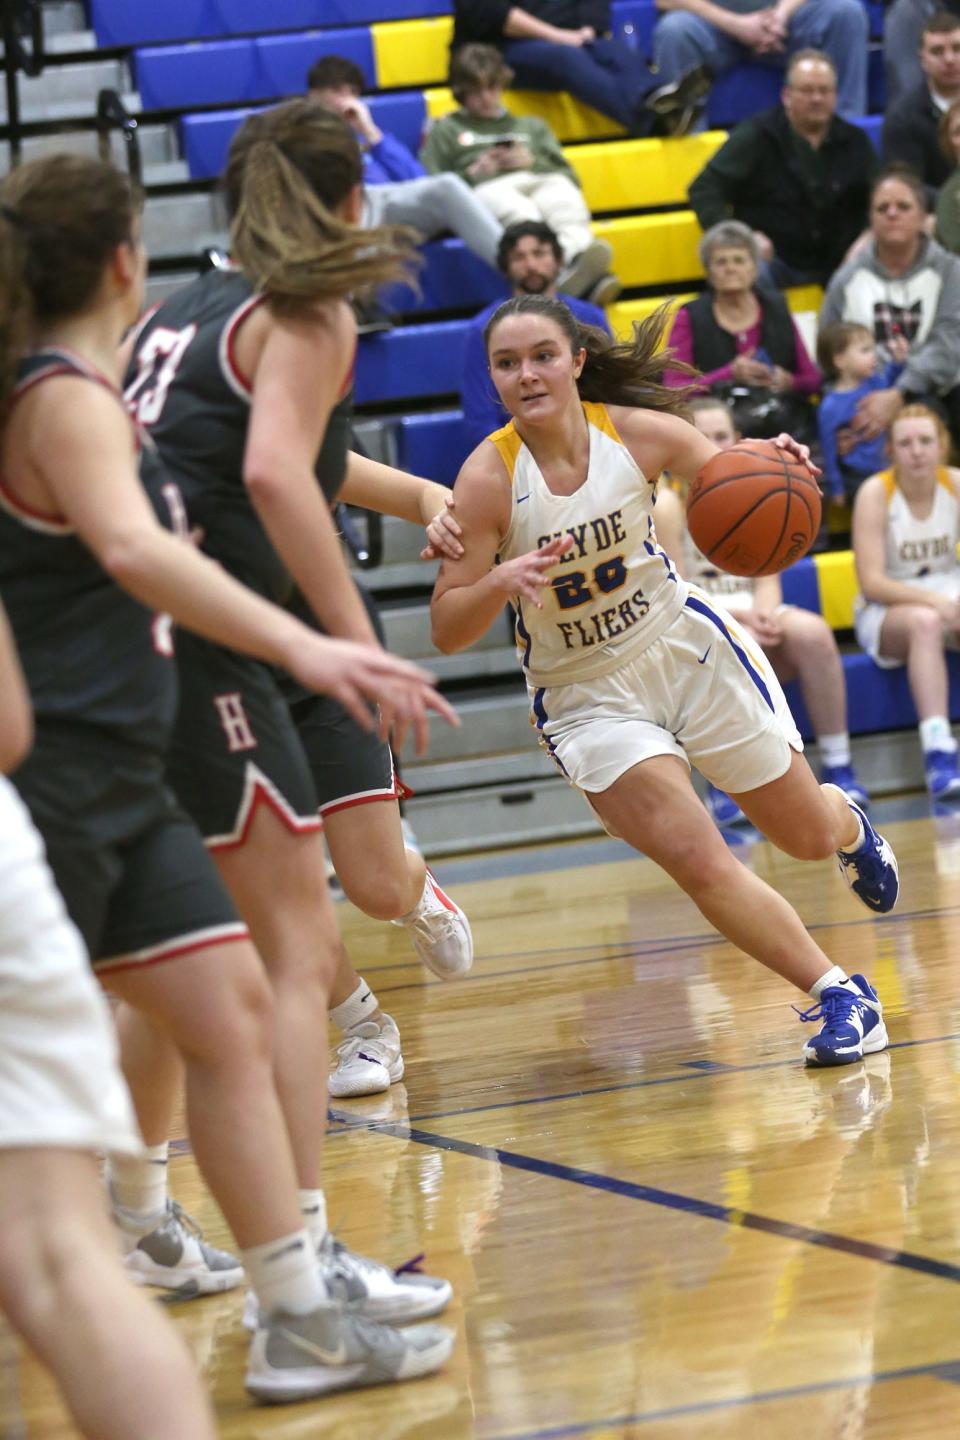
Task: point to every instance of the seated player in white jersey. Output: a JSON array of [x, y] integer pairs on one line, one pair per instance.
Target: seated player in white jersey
[[124, 1372], [906, 524], [632, 676], [799, 645]]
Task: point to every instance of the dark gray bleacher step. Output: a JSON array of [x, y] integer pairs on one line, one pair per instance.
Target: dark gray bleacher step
[[66, 92], [176, 225], [493, 725], [408, 633], [65, 29], [479, 771], [520, 814]]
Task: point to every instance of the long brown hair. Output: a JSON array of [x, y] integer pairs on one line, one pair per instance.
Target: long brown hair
[[627, 372], [287, 171], [61, 219]]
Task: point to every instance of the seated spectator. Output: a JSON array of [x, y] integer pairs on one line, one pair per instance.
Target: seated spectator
[[848, 359], [517, 168], [725, 33], [744, 341], [948, 199], [911, 127], [799, 644], [398, 191], [530, 257], [566, 45], [906, 524], [903, 23], [797, 174], [901, 282]]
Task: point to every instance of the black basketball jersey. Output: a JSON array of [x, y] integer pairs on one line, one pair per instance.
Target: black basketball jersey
[[184, 385], [91, 653]]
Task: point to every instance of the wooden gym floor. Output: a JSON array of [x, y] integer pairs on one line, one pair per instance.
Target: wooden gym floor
[[658, 1223]]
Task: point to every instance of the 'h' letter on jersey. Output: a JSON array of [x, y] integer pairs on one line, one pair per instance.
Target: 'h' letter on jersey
[[234, 720]]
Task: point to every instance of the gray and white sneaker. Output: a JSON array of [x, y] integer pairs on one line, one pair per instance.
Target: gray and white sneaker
[[294, 1357], [175, 1256], [368, 1059], [368, 1289], [440, 932], [375, 1291]]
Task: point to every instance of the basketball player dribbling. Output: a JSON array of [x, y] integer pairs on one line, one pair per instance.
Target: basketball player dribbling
[[124, 1373], [84, 564], [633, 675]]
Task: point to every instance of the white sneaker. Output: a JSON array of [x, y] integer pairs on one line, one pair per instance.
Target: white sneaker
[[368, 1060], [174, 1256], [368, 1289], [440, 933], [294, 1357]]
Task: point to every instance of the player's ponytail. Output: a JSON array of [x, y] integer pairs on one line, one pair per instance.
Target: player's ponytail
[[628, 372], [288, 170], [61, 219]]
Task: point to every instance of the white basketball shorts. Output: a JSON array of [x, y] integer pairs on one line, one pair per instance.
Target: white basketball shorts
[[703, 690], [868, 617], [60, 1080]]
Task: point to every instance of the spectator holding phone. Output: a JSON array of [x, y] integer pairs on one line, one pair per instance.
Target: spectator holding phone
[[517, 169]]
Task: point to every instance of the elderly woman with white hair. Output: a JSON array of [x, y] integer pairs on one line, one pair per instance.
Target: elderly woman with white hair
[[742, 338]]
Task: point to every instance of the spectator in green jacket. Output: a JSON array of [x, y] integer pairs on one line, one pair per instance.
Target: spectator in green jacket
[[797, 174], [948, 198], [517, 169]]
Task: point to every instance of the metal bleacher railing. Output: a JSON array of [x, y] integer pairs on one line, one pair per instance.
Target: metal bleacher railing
[[23, 50]]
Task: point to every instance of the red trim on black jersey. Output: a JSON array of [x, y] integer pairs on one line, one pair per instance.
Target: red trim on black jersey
[[368, 797], [230, 340], [41, 519], [347, 385]]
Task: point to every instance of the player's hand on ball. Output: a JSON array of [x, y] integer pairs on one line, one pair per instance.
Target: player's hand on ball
[[798, 451], [527, 574]]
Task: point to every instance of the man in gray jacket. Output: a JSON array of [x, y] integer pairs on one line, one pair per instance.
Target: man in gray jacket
[[902, 283]]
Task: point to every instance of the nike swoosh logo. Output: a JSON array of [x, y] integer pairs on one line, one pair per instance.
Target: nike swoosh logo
[[521, 498], [316, 1352], [287, 1250], [704, 655]]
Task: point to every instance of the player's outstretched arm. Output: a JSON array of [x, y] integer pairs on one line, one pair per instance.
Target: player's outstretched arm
[[100, 495], [379, 487]]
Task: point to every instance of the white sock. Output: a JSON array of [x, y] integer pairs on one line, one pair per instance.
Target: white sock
[[861, 836], [835, 749], [284, 1274], [834, 976], [414, 914], [935, 734], [313, 1208], [357, 1007], [138, 1184]]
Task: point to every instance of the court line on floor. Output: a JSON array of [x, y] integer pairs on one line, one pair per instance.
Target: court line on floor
[[668, 1199], [946, 1372]]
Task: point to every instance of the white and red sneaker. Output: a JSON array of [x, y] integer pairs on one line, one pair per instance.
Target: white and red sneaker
[[440, 932]]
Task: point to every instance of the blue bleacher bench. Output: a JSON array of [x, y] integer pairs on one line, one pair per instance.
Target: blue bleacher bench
[[432, 444], [136, 22], [409, 362]]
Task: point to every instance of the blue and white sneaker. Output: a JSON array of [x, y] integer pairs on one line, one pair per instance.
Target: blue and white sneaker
[[723, 810], [943, 775], [845, 779], [852, 1024], [871, 870]]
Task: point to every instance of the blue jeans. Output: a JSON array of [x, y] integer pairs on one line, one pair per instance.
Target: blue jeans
[[607, 74], [838, 27]]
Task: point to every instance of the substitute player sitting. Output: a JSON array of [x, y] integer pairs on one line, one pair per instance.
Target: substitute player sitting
[[632, 676]]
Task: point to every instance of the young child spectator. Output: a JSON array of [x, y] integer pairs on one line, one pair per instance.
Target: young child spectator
[[397, 189], [847, 353], [798, 644], [517, 168]]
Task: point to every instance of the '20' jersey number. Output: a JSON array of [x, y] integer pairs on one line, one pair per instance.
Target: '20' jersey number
[[574, 589]]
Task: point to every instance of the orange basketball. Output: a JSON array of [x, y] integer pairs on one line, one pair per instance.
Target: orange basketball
[[753, 509]]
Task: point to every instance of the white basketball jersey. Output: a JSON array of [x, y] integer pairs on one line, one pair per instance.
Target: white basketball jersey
[[732, 592], [615, 591], [917, 549]]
